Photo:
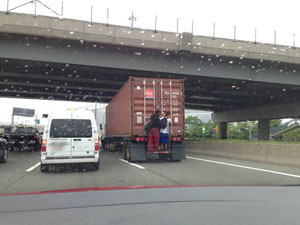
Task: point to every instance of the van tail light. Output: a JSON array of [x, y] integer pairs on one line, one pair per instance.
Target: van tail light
[[34, 137], [44, 145], [96, 144], [8, 137]]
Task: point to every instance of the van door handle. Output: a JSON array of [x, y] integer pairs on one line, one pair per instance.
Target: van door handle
[[76, 139]]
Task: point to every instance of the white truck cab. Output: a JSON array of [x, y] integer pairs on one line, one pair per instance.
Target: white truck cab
[[70, 137]]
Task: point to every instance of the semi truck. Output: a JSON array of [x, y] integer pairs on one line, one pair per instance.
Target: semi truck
[[131, 109]]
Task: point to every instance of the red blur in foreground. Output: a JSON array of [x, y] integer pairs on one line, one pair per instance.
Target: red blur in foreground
[[125, 188]]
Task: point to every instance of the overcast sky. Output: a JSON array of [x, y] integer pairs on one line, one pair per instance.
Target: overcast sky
[[266, 16]]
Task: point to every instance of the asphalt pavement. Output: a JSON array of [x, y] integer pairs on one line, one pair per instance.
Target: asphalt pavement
[[22, 173]]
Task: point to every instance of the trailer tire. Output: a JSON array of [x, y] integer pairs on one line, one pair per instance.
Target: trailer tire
[[124, 151], [128, 153]]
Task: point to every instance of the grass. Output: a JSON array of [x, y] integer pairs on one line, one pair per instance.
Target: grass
[[214, 140]]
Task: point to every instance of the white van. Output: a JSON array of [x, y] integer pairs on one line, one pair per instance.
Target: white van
[[70, 137]]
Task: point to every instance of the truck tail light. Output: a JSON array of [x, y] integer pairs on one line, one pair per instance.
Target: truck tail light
[[96, 144], [44, 145]]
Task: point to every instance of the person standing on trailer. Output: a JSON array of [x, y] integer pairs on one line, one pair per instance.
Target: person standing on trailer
[[153, 134], [166, 122]]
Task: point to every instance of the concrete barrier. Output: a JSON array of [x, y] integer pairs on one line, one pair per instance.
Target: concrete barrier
[[287, 154]]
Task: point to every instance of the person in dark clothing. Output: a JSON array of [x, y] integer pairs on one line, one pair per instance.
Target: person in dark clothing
[[153, 134]]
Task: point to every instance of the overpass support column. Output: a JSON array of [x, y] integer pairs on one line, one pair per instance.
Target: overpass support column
[[263, 129], [222, 134]]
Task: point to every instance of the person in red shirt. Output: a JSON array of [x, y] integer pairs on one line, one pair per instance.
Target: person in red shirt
[[153, 134]]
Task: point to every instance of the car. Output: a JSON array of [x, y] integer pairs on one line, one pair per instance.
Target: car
[[70, 137], [24, 138], [3, 150]]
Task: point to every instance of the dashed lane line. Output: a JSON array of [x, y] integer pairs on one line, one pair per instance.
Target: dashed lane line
[[33, 167], [133, 164]]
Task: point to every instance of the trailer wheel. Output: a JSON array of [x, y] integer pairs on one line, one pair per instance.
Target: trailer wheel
[[128, 153], [177, 152], [124, 151]]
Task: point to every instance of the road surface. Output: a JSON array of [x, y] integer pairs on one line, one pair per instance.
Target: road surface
[[22, 173]]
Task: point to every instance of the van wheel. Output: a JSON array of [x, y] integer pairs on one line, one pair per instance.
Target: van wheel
[[97, 165], [44, 168]]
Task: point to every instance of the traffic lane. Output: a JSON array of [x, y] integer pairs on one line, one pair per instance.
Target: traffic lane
[[199, 172], [265, 165], [15, 168], [113, 172]]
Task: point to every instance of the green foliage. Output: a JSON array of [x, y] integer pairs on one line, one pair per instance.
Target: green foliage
[[275, 123], [194, 128], [293, 135], [237, 131]]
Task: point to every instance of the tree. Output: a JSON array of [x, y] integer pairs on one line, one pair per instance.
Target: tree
[[193, 126]]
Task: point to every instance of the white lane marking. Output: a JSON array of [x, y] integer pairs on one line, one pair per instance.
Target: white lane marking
[[245, 167], [133, 164], [33, 167]]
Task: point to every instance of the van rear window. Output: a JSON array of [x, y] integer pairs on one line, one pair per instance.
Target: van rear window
[[70, 128]]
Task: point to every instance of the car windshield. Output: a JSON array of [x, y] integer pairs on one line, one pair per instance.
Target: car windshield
[[61, 128], [25, 131], [126, 94]]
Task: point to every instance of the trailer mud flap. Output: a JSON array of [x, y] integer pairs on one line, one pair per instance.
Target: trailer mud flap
[[178, 152], [137, 152]]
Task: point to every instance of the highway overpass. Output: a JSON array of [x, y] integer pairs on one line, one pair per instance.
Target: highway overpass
[[49, 58]]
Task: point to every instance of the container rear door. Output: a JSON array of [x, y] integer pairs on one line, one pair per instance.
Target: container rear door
[[144, 103], [59, 141], [151, 94], [171, 99]]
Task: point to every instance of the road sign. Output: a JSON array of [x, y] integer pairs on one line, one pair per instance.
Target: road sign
[[37, 121], [45, 115], [23, 112], [217, 128], [249, 123]]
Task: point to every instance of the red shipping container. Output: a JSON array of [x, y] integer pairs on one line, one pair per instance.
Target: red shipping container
[[131, 108], [133, 105]]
